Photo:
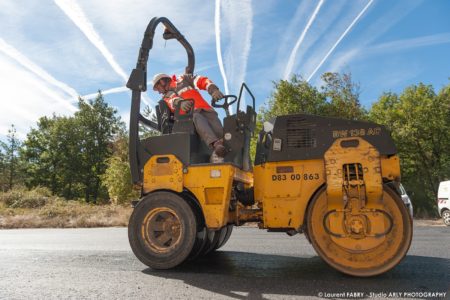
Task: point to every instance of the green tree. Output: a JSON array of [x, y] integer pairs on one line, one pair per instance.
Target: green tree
[[51, 152], [67, 135], [342, 96], [293, 96], [419, 120], [9, 160], [117, 177], [39, 155], [99, 124], [69, 154], [338, 97]]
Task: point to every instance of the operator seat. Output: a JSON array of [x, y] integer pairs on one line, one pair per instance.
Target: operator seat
[[178, 131]]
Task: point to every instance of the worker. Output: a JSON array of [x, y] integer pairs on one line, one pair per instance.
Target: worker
[[205, 118]]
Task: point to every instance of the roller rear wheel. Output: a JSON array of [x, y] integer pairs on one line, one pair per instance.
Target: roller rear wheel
[[368, 262], [200, 243], [208, 241], [225, 234], [162, 230], [211, 241]]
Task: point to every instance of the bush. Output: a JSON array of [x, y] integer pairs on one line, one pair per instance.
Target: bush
[[37, 208], [23, 198], [117, 179]]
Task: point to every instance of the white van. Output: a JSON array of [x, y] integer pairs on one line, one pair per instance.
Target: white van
[[443, 201], [406, 199]]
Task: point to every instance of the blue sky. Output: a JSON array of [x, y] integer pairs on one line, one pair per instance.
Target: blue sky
[[53, 51]]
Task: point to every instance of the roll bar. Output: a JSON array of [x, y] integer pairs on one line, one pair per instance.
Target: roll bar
[[138, 83]]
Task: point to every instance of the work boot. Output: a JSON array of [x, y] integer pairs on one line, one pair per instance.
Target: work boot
[[219, 148]]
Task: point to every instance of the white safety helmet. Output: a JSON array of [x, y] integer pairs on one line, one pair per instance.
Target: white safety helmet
[[157, 78]]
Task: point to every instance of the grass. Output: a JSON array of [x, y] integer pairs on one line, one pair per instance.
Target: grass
[[37, 208], [21, 208]]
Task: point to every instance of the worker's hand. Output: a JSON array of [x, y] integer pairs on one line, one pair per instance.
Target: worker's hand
[[186, 105], [215, 93]]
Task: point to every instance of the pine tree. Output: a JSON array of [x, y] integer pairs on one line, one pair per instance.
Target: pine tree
[[10, 163]]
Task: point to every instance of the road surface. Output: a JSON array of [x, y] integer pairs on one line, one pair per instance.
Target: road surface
[[98, 264]]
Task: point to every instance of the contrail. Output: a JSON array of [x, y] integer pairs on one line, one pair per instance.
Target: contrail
[[238, 20], [373, 31], [291, 61], [116, 90], [422, 41], [76, 14], [218, 47], [340, 39], [247, 34], [12, 52]]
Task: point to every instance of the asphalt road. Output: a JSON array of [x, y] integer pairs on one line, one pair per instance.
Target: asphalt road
[[98, 264]]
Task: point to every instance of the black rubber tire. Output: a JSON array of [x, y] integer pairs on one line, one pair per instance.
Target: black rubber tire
[[212, 239], [200, 243], [446, 217], [185, 242], [224, 236]]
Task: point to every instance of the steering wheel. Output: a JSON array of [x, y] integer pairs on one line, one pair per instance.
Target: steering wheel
[[225, 104]]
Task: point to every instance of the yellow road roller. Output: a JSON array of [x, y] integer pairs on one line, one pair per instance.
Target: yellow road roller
[[334, 180]]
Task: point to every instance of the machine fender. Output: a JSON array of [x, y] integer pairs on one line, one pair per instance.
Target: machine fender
[[193, 202], [159, 190]]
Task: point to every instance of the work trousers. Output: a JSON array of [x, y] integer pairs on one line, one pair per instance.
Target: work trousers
[[208, 125]]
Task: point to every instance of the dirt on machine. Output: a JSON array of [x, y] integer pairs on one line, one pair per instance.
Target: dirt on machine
[[334, 180]]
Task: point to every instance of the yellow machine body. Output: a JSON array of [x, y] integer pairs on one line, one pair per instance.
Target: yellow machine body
[[211, 184], [282, 190]]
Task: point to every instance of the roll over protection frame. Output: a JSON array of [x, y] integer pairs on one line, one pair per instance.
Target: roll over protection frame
[[138, 83]]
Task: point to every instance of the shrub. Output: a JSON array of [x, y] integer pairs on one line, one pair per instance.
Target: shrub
[[23, 198], [117, 179]]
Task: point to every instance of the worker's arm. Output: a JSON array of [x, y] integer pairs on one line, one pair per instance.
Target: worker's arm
[[204, 83]]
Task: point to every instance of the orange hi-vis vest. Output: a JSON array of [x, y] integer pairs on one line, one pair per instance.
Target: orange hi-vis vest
[[186, 88]]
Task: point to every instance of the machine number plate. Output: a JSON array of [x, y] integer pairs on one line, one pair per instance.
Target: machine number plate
[[295, 176]]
